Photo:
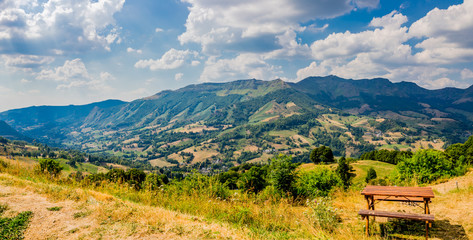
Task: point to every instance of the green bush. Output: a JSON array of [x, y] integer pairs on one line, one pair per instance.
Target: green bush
[[426, 166], [50, 166], [319, 182], [345, 172], [370, 175], [283, 174], [253, 180]]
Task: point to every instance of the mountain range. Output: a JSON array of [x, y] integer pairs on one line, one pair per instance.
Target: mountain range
[[260, 116]]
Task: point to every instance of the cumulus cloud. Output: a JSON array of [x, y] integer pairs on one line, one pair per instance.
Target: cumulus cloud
[[74, 74], [218, 25], [172, 59], [245, 65], [388, 37], [57, 26], [384, 51], [448, 33], [158, 30]]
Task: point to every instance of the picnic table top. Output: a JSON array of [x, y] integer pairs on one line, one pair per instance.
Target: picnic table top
[[423, 192]]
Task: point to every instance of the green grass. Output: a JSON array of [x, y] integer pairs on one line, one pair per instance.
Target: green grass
[[392, 146], [13, 228], [262, 114], [283, 133], [361, 167]]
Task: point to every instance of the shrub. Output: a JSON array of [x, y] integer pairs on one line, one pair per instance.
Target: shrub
[[283, 174], [428, 165], [345, 172], [371, 174], [153, 181], [50, 166], [319, 182], [253, 180]]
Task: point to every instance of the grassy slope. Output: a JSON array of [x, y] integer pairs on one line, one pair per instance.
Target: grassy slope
[[97, 214]]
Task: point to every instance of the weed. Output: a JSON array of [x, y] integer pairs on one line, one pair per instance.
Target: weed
[[323, 214], [54, 209], [81, 214], [13, 228], [3, 208]]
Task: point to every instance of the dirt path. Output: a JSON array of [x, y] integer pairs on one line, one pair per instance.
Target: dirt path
[[105, 217]]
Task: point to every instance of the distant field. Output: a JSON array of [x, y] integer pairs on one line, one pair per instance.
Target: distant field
[[361, 168]]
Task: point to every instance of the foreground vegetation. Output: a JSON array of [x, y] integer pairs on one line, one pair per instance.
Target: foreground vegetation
[[279, 200]]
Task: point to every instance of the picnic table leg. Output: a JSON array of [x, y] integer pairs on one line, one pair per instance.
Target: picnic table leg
[[367, 217], [427, 223], [372, 206]]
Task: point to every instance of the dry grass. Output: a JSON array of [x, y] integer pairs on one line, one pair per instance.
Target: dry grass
[[94, 214], [89, 214]]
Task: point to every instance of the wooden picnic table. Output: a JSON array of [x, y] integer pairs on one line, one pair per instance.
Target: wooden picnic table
[[413, 195]]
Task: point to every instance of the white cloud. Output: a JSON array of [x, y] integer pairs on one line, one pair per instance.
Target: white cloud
[[466, 74], [178, 76], [158, 30], [74, 74], [70, 71], [313, 28], [58, 26], [290, 47], [25, 81], [246, 65], [385, 52], [172, 59], [26, 62], [386, 39], [312, 70], [218, 25], [448, 33], [131, 50]]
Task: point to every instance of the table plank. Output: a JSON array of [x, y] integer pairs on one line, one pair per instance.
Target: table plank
[[423, 192]]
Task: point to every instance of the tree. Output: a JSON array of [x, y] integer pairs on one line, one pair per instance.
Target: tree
[[283, 173], [345, 172], [253, 180], [321, 154], [371, 174], [50, 166]]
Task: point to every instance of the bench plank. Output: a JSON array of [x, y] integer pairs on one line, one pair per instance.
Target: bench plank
[[413, 216]]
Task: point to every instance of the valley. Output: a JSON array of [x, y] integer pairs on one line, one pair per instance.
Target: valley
[[219, 125]]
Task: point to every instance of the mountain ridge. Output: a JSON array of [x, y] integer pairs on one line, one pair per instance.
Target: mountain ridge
[[348, 115]]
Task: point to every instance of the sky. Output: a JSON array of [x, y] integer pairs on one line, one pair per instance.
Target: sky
[[61, 52]]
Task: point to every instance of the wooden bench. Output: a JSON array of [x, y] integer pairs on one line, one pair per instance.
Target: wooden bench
[[411, 216]]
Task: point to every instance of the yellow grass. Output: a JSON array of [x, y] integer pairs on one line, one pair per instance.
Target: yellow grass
[[104, 215]]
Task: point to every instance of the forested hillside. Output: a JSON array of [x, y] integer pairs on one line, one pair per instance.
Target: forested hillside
[[218, 125]]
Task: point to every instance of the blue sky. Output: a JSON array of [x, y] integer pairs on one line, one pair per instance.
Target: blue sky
[[60, 52]]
